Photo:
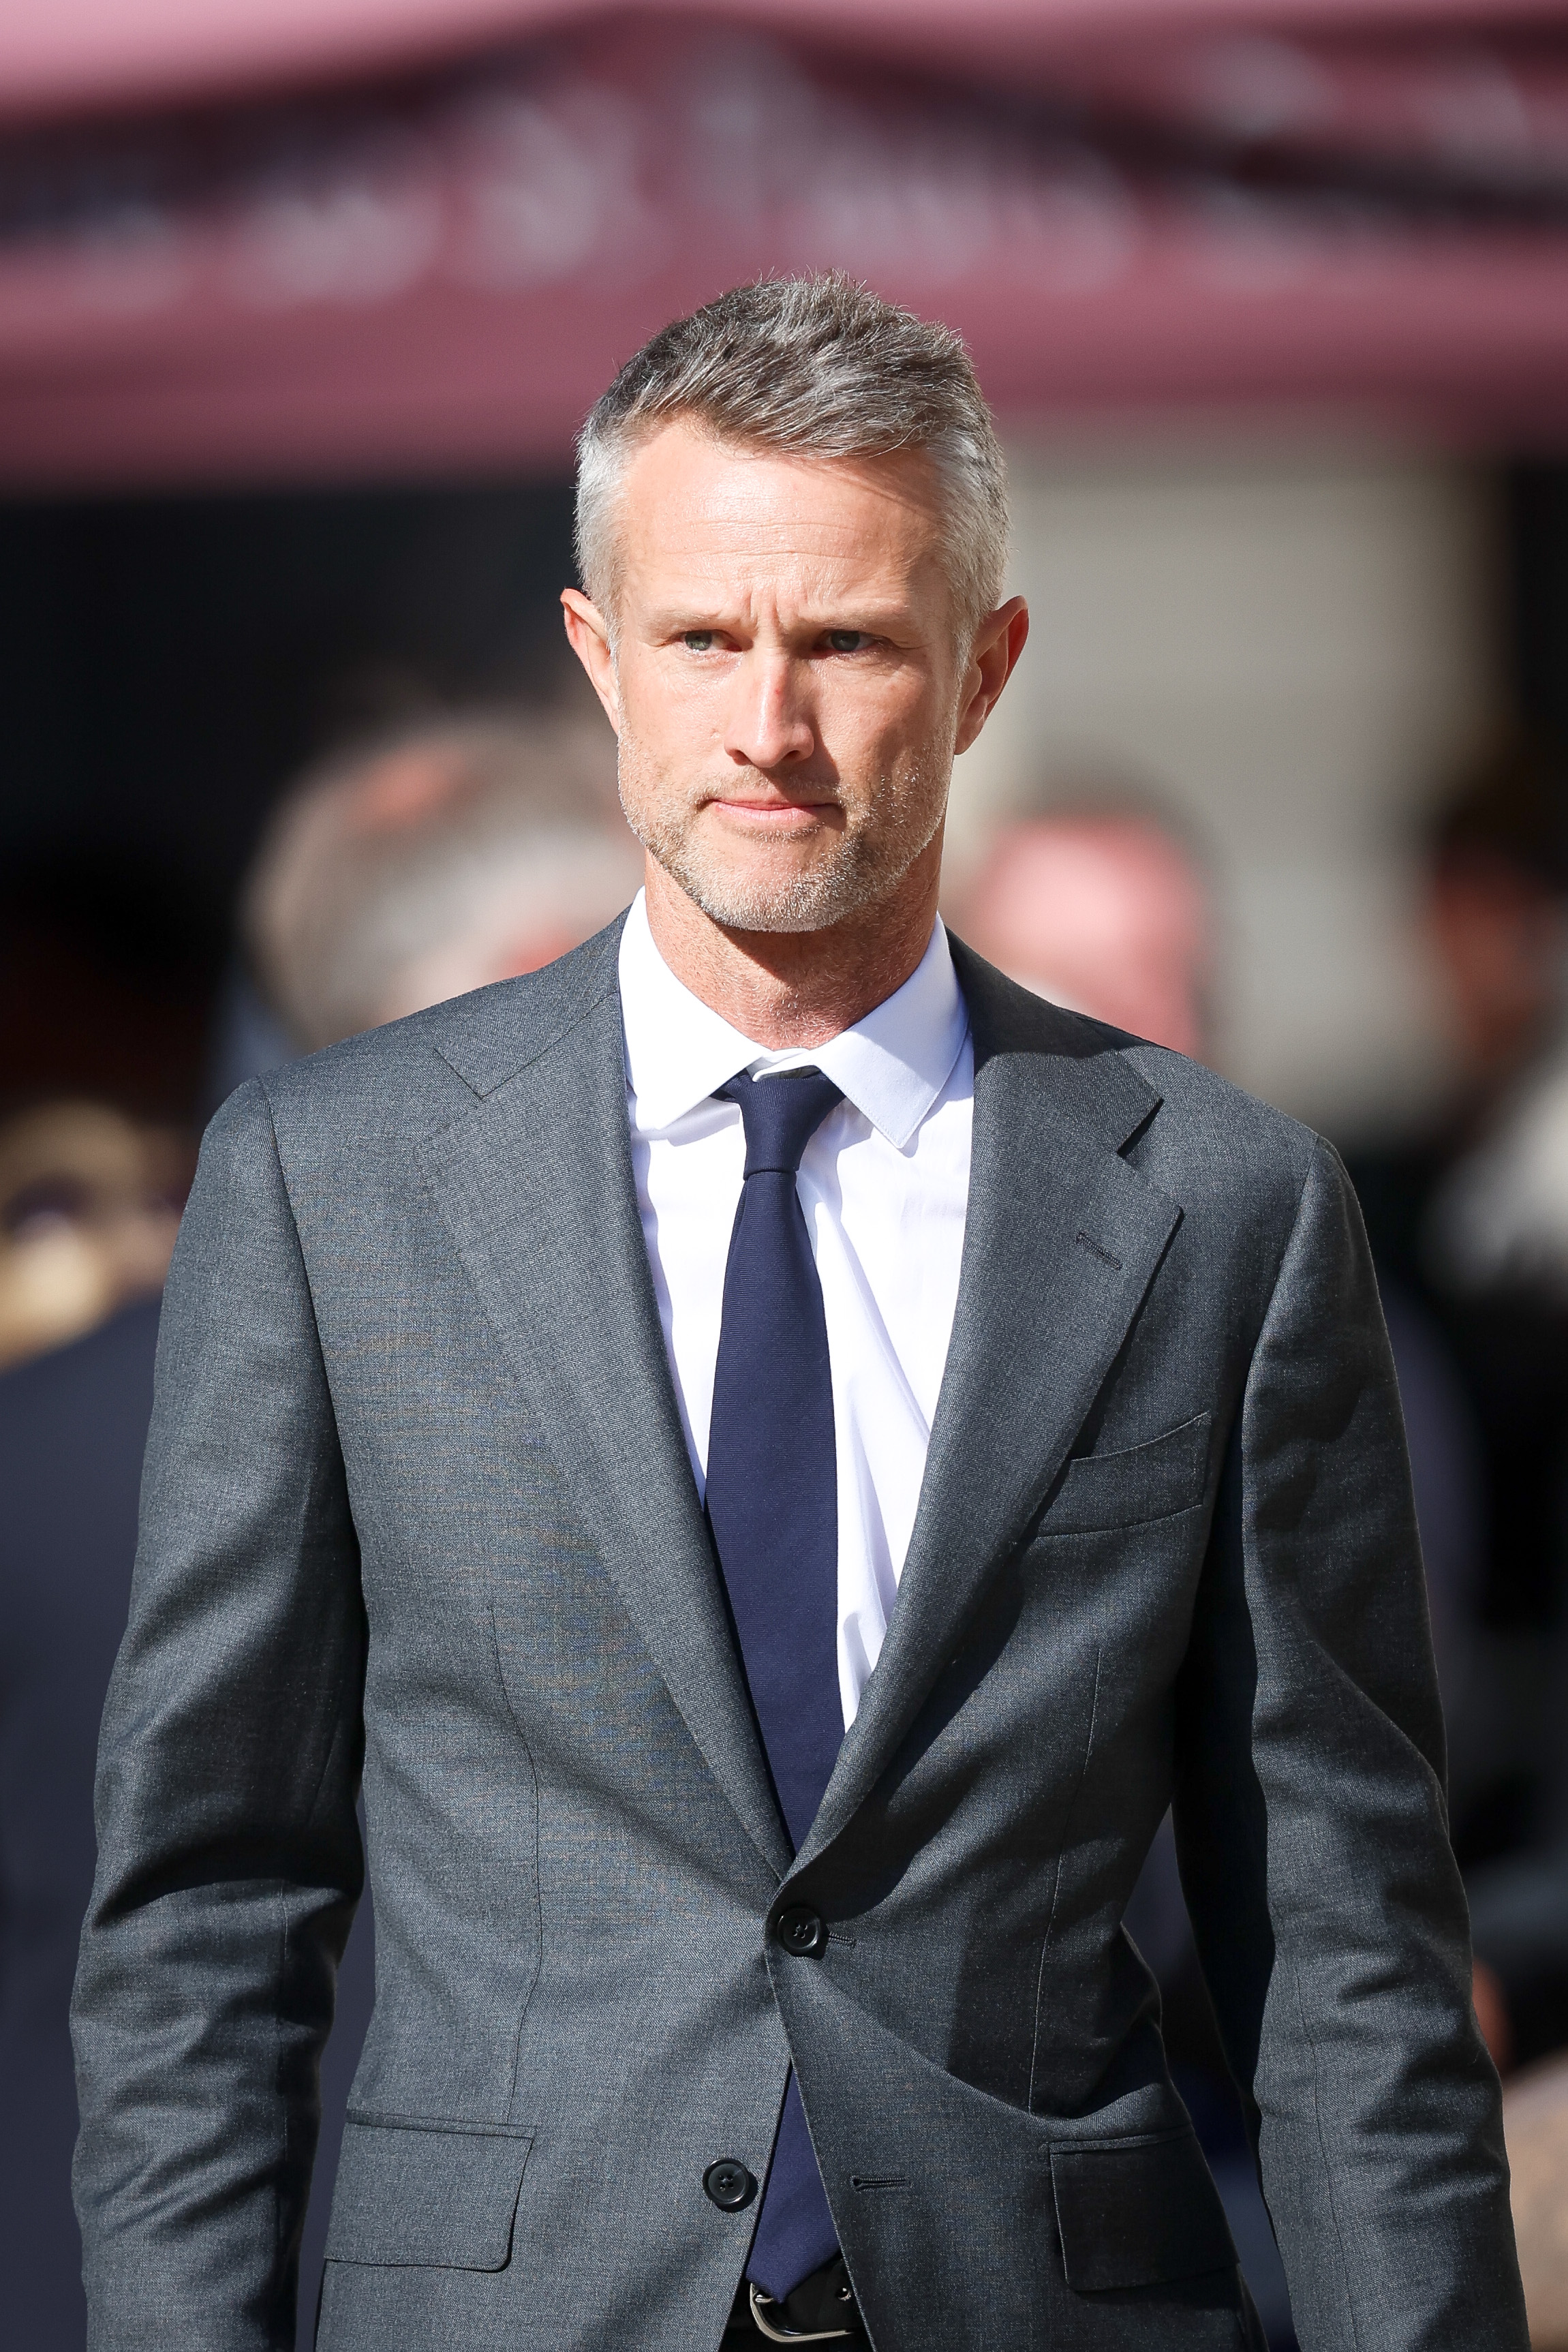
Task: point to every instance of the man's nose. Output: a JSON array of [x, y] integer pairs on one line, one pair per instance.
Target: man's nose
[[769, 722]]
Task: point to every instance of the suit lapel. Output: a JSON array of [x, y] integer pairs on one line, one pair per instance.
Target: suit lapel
[[535, 1185], [1063, 1240]]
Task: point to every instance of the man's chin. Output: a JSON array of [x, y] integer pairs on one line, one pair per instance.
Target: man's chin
[[808, 899]]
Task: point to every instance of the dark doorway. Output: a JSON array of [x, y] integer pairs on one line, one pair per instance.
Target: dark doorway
[[168, 665]]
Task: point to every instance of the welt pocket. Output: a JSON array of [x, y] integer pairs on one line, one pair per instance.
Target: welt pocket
[[1137, 2212], [1152, 1481], [426, 2192]]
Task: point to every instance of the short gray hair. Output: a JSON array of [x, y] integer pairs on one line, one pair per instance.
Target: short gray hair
[[821, 367]]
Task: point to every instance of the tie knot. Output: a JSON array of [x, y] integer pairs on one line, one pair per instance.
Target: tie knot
[[781, 1114]]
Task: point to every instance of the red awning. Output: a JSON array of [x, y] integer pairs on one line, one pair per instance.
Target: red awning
[[441, 266], [70, 55]]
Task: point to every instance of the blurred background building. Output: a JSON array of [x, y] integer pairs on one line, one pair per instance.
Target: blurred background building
[[300, 304]]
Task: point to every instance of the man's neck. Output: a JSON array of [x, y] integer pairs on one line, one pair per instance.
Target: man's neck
[[797, 987]]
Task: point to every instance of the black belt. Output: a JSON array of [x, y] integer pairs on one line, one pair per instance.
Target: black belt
[[821, 2310]]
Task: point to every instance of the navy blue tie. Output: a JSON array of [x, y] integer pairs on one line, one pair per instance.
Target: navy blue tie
[[773, 1506]]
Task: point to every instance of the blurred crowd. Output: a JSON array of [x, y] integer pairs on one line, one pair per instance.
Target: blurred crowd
[[452, 852]]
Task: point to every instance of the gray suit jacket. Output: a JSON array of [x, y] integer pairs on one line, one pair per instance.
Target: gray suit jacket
[[417, 1502]]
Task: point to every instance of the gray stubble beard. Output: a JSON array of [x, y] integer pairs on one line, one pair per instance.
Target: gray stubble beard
[[866, 866]]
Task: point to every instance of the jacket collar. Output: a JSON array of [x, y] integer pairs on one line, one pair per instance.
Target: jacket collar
[[491, 1035]]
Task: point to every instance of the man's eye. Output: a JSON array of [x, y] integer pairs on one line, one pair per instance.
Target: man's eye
[[697, 641], [847, 641]]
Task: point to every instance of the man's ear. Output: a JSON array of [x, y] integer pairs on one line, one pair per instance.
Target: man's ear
[[998, 641], [588, 633]]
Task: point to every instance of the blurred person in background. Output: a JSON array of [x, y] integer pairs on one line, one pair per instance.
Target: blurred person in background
[[88, 1208], [73, 1429], [1099, 903], [411, 867], [415, 868], [1468, 1224]]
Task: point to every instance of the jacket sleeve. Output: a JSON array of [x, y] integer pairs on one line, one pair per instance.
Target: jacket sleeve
[[229, 1860], [1313, 1829]]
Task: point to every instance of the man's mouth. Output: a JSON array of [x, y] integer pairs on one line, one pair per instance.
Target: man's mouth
[[785, 816]]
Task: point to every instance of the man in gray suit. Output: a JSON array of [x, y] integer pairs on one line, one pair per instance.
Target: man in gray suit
[[778, 1455]]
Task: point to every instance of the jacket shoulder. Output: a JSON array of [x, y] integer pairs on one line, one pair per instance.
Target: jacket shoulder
[[1180, 1123], [422, 1070], [1209, 1114]]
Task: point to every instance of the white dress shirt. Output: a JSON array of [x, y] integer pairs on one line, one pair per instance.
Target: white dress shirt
[[884, 1185]]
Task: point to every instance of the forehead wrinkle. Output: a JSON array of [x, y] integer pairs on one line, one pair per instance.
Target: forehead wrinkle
[[742, 577], [836, 562], [798, 547], [777, 496], [738, 539], [875, 604]]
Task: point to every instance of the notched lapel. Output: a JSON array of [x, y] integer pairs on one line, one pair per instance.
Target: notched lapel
[[536, 1185], [1063, 1240]]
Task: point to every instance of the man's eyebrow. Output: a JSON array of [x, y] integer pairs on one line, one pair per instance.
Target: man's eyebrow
[[873, 621], [677, 617]]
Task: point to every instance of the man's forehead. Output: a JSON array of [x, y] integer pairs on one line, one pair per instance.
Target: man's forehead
[[684, 485], [700, 510]]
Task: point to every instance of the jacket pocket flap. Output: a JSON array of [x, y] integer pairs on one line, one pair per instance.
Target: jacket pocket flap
[[1132, 2212], [1141, 1482], [442, 2194]]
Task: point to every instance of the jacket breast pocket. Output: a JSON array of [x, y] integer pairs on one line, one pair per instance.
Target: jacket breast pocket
[[1152, 1481], [438, 2194], [1138, 2213]]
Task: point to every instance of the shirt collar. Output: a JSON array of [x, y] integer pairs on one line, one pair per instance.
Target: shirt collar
[[891, 1065]]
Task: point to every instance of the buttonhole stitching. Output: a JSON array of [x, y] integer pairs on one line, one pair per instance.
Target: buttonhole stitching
[[1094, 1249], [863, 2182]]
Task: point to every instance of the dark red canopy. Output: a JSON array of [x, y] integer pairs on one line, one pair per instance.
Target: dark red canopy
[[61, 57], [355, 235]]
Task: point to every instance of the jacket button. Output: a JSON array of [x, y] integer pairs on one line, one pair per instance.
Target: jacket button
[[729, 2185], [801, 1930]]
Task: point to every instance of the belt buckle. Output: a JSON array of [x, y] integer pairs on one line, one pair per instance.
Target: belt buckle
[[790, 2334]]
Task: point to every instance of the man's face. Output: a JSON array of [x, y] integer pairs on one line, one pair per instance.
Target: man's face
[[790, 679]]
